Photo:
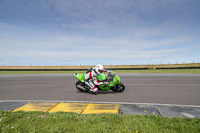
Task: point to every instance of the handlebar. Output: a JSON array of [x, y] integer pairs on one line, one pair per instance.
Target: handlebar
[[110, 77]]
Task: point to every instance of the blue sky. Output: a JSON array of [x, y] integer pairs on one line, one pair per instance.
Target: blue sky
[[109, 32]]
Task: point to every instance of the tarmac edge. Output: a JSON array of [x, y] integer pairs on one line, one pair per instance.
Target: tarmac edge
[[166, 110]]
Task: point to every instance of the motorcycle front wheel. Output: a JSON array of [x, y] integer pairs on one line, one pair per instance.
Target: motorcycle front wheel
[[81, 86], [119, 87]]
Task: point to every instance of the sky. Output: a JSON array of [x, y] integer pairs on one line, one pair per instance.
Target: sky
[[90, 32]]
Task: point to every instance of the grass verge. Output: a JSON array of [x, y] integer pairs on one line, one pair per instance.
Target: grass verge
[[160, 71], [41, 122], [39, 72], [118, 71]]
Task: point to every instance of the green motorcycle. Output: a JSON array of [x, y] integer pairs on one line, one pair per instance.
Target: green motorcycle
[[114, 84]]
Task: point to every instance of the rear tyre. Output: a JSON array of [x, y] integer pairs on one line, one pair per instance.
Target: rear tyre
[[81, 86], [119, 87]]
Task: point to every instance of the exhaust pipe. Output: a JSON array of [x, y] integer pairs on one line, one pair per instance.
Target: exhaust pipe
[[80, 87]]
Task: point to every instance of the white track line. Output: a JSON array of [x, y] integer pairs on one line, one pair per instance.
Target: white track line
[[188, 115]]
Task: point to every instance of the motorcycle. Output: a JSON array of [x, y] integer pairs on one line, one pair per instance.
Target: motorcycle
[[113, 79]]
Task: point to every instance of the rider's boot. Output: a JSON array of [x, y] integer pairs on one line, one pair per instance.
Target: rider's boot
[[94, 90]]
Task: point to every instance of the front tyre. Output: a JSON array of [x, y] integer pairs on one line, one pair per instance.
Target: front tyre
[[119, 87], [81, 86]]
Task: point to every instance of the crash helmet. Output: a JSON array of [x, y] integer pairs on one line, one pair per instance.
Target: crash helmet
[[99, 68]]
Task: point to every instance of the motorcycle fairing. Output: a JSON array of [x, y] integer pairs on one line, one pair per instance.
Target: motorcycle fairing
[[80, 76]]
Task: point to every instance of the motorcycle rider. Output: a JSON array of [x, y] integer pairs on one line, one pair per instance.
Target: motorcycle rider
[[90, 77]]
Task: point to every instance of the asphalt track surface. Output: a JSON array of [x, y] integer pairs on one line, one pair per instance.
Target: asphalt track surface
[[176, 89]]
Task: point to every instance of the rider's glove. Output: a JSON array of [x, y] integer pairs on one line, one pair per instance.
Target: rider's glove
[[108, 71], [105, 83]]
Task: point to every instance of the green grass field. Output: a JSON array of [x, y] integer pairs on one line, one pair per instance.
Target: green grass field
[[40, 122], [117, 71], [160, 71], [39, 72]]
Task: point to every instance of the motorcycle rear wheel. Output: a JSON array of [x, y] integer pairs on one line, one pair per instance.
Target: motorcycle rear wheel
[[81, 86]]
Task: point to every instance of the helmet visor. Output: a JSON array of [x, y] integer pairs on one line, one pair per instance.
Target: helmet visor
[[100, 71]]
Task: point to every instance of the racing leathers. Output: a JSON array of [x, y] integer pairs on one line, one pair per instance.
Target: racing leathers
[[91, 80]]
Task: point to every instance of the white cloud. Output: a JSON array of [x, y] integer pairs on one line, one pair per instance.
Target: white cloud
[[187, 61], [78, 47], [74, 30]]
